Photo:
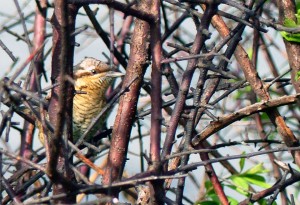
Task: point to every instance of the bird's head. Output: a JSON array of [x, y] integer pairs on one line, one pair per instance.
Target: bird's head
[[92, 72]]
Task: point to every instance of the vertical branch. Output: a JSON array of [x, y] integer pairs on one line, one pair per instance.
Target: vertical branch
[[287, 10], [189, 130], [34, 84], [214, 179], [156, 100], [128, 102], [59, 69], [156, 103], [123, 34], [61, 102]]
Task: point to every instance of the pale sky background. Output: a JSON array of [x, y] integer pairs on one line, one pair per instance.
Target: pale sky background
[[93, 46]]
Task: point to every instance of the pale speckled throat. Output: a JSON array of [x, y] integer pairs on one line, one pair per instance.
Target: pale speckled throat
[[91, 76]]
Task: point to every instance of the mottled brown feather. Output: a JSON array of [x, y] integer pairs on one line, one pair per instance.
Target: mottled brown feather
[[92, 77]]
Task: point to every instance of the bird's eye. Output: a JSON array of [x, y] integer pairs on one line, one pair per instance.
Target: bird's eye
[[93, 71]]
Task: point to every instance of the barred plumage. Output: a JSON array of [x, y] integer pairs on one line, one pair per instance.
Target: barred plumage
[[92, 77]]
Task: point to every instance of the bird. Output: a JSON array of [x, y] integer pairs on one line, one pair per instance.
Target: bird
[[92, 78]]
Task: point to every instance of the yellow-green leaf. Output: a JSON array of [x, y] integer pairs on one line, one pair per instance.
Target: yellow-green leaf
[[257, 169], [256, 180]]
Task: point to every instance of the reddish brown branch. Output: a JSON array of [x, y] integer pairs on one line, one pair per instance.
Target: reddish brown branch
[[128, 102], [156, 103], [156, 100], [61, 102], [34, 84], [287, 10], [226, 120], [209, 169], [128, 10]]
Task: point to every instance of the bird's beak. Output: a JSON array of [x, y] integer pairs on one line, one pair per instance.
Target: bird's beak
[[114, 74]]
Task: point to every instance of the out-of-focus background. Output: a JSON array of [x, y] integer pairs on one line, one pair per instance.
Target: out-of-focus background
[[89, 44]]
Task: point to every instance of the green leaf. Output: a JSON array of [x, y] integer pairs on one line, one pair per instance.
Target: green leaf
[[264, 116], [257, 169], [298, 6], [265, 202], [297, 76], [215, 198], [298, 17], [291, 37], [241, 92], [242, 185], [209, 188], [256, 180], [291, 24], [207, 203], [242, 162], [232, 201], [250, 53], [240, 182]]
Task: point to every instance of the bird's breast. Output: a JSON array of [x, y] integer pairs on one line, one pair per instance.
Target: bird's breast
[[87, 106]]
